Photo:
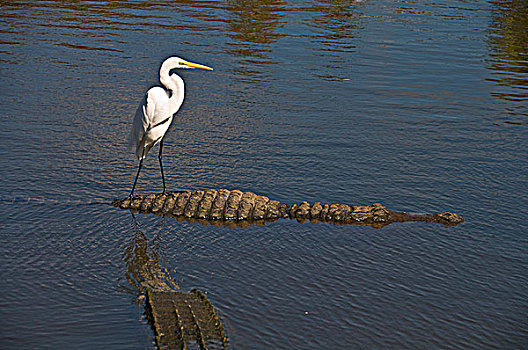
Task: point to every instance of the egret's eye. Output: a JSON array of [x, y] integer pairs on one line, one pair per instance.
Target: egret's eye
[[182, 63]]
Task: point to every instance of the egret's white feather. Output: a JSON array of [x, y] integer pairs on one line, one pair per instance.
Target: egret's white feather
[[154, 114]]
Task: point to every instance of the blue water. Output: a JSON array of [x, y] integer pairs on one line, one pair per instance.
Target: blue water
[[421, 106]]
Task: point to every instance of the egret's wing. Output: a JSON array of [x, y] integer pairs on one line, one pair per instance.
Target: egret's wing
[[154, 103], [159, 117], [140, 126], [146, 129]]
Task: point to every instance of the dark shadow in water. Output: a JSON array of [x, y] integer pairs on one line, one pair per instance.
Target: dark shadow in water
[[253, 24], [508, 44], [252, 27], [337, 23], [336, 27], [256, 25]]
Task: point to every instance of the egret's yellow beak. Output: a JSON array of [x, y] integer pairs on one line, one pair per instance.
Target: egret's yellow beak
[[196, 65]]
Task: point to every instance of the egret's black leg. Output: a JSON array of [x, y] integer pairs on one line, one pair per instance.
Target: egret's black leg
[[161, 164], [139, 169]]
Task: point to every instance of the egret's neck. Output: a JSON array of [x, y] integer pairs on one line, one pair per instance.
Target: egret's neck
[[173, 83]]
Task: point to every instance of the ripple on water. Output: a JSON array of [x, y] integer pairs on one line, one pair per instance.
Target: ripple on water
[[417, 105], [64, 265]]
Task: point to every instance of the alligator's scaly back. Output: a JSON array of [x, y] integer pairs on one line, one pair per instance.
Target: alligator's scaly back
[[246, 207]]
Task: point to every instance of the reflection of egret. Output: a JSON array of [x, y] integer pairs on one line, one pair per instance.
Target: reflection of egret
[[155, 112]]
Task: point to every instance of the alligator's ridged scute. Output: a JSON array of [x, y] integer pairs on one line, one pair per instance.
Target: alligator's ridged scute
[[237, 206], [221, 205]]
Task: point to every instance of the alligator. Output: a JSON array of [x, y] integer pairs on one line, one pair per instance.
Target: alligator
[[242, 208]]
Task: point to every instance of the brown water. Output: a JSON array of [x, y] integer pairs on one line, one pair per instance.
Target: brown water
[[421, 106]]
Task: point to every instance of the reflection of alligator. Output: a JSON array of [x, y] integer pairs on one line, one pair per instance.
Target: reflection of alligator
[[244, 207], [183, 319], [180, 320], [144, 271]]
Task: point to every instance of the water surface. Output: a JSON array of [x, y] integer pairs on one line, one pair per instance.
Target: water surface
[[421, 106]]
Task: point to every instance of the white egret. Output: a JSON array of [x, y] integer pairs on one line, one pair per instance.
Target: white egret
[[156, 110]]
